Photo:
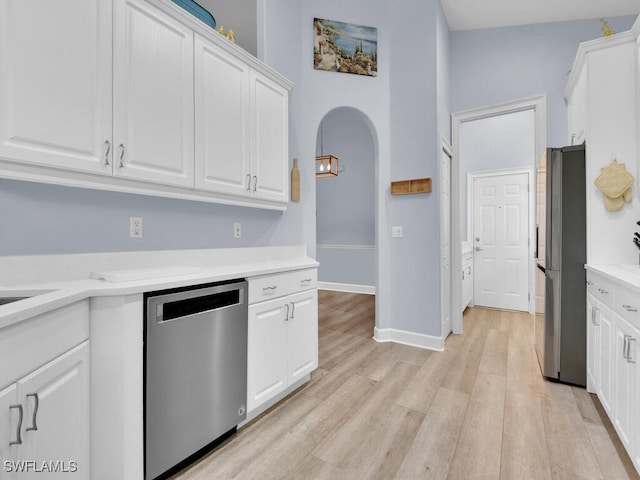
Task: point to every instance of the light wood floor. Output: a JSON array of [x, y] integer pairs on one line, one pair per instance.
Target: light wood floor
[[478, 410]]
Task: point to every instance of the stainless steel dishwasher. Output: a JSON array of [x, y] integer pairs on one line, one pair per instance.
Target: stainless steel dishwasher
[[195, 371]]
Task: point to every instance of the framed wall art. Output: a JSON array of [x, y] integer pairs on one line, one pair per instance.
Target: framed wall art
[[345, 47]]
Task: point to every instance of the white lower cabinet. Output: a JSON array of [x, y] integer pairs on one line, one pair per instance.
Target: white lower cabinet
[[467, 280], [45, 419], [627, 377], [606, 325], [593, 344], [44, 395], [613, 356], [282, 340]]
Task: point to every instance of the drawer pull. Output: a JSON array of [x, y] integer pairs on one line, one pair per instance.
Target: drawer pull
[[589, 282], [603, 291], [306, 280], [34, 426], [18, 440], [629, 308], [270, 289]]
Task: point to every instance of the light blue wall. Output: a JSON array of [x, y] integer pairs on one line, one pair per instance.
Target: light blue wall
[[48, 219], [401, 106], [353, 266], [241, 16], [503, 64]]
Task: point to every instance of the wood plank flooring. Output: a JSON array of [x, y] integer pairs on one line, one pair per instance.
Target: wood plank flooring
[[479, 410]]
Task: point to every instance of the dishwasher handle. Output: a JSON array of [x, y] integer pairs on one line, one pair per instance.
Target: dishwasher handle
[[193, 302]]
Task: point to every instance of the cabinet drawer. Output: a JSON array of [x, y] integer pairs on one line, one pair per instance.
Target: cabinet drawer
[[601, 288], [273, 286], [627, 304], [30, 344]]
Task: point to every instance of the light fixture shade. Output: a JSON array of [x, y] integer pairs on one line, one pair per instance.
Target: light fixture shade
[[326, 166]]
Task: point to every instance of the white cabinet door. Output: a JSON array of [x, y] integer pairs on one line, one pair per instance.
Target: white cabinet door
[[267, 351], [56, 413], [153, 99], [606, 322], [270, 139], [10, 414], [625, 381], [302, 334], [222, 121], [55, 86], [593, 344]]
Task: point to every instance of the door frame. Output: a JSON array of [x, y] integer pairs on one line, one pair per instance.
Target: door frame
[[531, 190], [448, 150], [536, 103]]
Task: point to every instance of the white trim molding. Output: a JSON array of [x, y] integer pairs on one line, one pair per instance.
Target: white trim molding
[[412, 339], [347, 288]]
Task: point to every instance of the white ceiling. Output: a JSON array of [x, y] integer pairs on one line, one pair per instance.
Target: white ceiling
[[475, 14]]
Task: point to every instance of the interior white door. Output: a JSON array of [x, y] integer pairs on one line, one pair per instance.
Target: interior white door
[[445, 240], [501, 241]]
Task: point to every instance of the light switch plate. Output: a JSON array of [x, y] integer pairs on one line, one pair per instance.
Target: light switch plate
[[396, 232]]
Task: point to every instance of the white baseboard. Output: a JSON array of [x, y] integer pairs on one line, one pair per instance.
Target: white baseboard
[[347, 287], [408, 338]]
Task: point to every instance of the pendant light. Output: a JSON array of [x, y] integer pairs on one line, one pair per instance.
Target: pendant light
[[326, 165]]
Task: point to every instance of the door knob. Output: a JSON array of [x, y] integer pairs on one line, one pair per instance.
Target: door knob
[[478, 249]]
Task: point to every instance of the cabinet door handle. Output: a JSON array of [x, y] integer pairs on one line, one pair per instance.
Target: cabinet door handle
[[18, 440], [34, 426], [625, 346], [286, 318], [593, 315], [596, 316], [121, 146], [106, 153], [631, 339], [293, 309], [255, 182], [248, 182]]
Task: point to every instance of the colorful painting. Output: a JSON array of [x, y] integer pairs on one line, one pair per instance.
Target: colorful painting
[[345, 47]]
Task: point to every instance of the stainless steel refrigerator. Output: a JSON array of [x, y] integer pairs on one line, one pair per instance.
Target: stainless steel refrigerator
[[560, 320]]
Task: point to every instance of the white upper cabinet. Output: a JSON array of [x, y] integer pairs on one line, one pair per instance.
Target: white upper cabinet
[[601, 95], [55, 83], [222, 120], [242, 128], [143, 94], [153, 101], [269, 134]]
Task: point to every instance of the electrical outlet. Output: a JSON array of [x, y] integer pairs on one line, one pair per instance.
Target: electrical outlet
[[135, 227], [237, 230], [396, 232]]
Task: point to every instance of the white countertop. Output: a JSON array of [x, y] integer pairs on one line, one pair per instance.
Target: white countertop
[[130, 273], [629, 275]]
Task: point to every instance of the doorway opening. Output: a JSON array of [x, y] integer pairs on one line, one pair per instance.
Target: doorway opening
[[491, 124], [346, 204]]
